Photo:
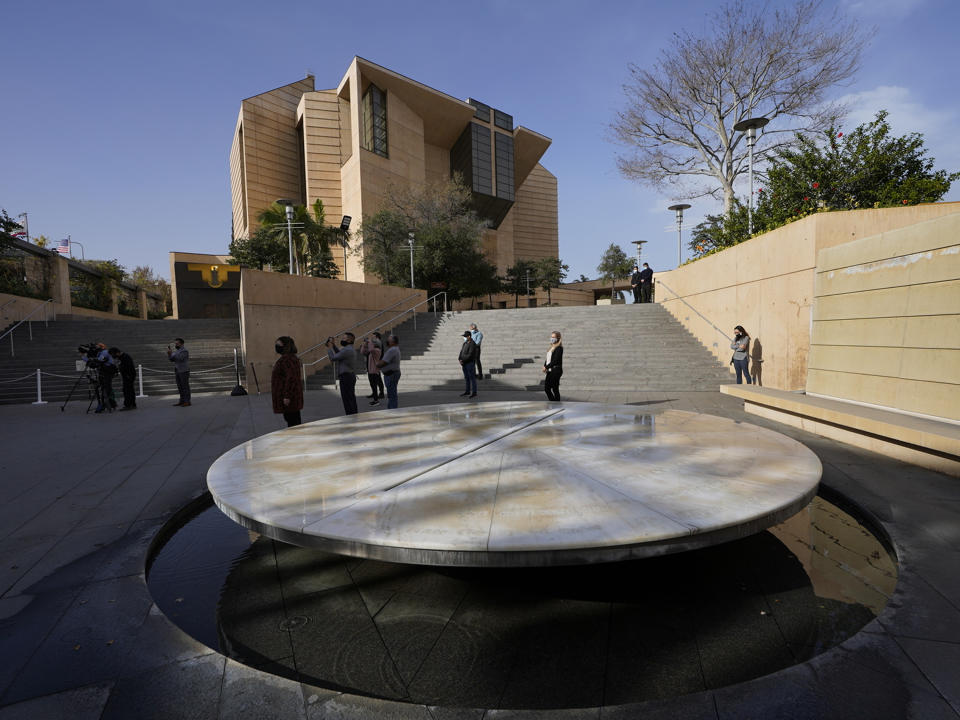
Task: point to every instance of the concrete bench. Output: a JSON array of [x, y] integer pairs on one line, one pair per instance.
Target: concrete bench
[[922, 441]]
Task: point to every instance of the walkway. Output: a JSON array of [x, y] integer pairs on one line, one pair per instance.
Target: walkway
[[82, 497]]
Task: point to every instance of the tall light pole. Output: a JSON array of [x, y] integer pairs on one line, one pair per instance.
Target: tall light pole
[[73, 242], [750, 126], [410, 239], [344, 234], [289, 207], [639, 244], [679, 207]]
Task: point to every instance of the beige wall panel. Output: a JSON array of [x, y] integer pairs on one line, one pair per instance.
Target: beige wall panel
[[932, 332], [890, 302], [893, 243], [866, 332], [883, 361], [436, 163], [535, 217], [910, 332], [307, 309], [922, 267], [926, 398]]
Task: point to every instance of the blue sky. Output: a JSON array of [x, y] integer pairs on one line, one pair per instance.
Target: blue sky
[[118, 116]]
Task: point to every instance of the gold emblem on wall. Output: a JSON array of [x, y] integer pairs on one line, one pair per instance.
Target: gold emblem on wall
[[213, 275]]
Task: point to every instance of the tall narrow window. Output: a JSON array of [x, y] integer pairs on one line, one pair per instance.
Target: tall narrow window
[[374, 109]]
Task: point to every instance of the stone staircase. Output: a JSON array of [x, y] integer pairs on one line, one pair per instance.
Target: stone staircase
[[54, 350], [606, 349]]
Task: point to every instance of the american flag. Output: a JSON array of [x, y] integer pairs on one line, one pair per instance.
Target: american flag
[[63, 247]]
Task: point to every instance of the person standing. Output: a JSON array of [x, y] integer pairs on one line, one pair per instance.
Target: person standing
[[345, 360], [390, 368], [372, 349], [128, 374], [646, 283], [553, 367], [180, 357], [635, 281], [106, 369], [478, 339], [741, 354], [468, 363], [286, 386]]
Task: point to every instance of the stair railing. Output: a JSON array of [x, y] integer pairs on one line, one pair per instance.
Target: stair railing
[[699, 314], [45, 306], [392, 322]]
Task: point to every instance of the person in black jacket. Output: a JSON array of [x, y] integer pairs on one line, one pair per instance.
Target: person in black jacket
[[635, 281], [646, 283], [468, 362], [553, 367], [128, 373]]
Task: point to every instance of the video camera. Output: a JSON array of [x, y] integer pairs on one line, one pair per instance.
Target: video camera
[[90, 351]]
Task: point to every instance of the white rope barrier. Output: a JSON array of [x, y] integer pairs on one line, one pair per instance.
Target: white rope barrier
[[192, 372], [25, 377]]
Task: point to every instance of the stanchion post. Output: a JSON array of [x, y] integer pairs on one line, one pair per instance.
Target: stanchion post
[[40, 400], [140, 378]]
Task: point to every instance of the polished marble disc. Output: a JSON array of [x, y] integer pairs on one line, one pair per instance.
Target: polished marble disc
[[514, 483]]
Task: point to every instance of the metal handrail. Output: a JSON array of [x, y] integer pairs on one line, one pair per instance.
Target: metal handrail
[[42, 306], [660, 283], [388, 323], [8, 302], [362, 322]]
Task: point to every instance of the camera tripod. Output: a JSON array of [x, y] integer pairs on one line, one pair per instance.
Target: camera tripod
[[95, 391]]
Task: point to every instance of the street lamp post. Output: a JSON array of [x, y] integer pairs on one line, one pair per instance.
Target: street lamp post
[[679, 207], [344, 234], [289, 210], [410, 239], [71, 242], [750, 126], [639, 244]]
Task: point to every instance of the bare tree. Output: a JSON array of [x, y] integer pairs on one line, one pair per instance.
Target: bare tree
[[755, 62]]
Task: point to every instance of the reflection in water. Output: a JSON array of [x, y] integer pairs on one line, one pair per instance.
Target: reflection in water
[[532, 638]]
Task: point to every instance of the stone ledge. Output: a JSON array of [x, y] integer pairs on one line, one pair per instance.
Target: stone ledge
[[922, 441]]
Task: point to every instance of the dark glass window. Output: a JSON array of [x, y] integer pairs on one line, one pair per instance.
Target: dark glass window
[[482, 110], [482, 160], [503, 146], [374, 112], [502, 120]]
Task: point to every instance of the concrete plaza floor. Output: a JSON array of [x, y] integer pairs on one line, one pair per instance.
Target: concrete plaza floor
[[82, 497]]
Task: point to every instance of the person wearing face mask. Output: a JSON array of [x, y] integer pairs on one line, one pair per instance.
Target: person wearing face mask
[[741, 354], [468, 362], [345, 360], [553, 367], [286, 387]]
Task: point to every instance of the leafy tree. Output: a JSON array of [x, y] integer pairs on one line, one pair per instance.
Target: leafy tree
[[583, 278], [550, 273], [311, 238], [8, 226], [144, 277], [755, 61], [869, 167], [614, 264], [42, 241], [866, 168], [482, 281], [263, 249], [518, 279], [446, 233]]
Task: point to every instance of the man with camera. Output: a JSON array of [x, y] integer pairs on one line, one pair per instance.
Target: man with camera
[[127, 375], [106, 369], [345, 363], [180, 357]]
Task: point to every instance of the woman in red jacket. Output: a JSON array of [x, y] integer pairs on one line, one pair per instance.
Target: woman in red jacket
[[286, 385]]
